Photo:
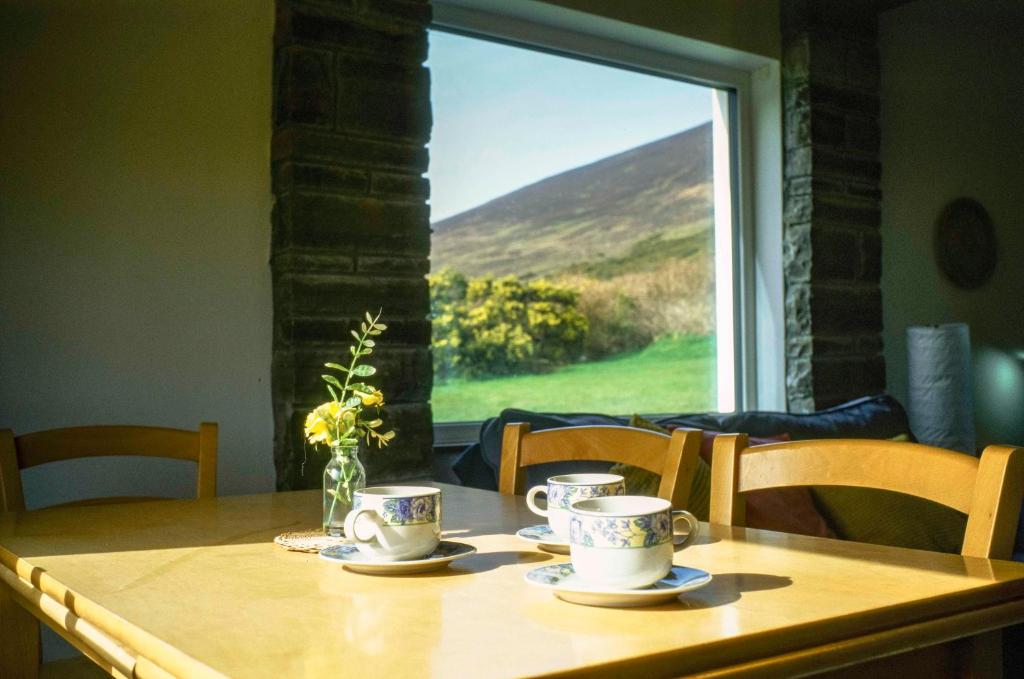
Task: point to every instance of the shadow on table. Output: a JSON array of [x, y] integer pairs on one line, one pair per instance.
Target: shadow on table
[[478, 563], [725, 588]]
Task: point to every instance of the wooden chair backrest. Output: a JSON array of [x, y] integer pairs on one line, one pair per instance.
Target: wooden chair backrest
[[673, 457], [55, 445], [989, 490]]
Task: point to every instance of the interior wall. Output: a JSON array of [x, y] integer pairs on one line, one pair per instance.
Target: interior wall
[[135, 231], [952, 96]]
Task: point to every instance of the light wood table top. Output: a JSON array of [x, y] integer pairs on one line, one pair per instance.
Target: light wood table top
[[195, 587]]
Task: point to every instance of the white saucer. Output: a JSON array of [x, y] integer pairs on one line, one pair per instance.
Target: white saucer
[[545, 538], [563, 581], [350, 557]]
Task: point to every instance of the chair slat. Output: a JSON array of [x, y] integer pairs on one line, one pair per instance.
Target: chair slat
[[11, 497], [206, 475], [57, 445], [910, 468], [638, 447], [673, 457], [121, 499]]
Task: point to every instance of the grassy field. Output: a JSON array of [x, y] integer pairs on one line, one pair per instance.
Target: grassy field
[[672, 375]]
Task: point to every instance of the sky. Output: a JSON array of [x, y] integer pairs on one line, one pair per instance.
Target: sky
[[505, 117]]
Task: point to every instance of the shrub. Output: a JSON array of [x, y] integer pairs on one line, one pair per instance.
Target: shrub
[[629, 311], [614, 320], [487, 326]]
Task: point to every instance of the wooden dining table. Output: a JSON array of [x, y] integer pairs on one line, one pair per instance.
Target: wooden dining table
[[197, 588]]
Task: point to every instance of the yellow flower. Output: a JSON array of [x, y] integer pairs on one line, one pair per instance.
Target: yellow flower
[[371, 397], [318, 431], [328, 410], [322, 425]]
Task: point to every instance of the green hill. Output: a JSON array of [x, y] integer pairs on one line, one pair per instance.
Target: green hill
[[617, 215]]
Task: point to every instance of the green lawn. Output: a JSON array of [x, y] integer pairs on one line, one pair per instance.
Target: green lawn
[[673, 375]]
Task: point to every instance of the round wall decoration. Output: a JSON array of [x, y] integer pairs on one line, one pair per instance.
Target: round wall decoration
[[965, 243]]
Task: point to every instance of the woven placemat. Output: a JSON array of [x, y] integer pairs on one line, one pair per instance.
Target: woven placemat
[[312, 540]]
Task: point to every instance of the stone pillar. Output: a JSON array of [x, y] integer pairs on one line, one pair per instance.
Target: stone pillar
[[831, 221], [351, 227]]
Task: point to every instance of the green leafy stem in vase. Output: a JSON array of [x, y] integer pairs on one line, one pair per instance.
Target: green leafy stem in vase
[[341, 422]]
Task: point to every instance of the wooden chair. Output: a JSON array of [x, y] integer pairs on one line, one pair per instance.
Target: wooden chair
[[55, 445], [674, 457], [988, 490]]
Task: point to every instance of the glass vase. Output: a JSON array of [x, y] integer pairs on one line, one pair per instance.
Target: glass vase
[[343, 476]]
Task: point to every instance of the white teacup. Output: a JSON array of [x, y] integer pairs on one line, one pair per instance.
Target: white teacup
[[626, 542], [563, 490], [395, 523]]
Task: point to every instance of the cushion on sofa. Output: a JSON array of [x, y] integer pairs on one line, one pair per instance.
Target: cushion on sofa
[[871, 417], [879, 417], [884, 517], [789, 510]]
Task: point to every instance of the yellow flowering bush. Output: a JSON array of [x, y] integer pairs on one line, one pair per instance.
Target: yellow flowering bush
[[499, 326], [344, 420]]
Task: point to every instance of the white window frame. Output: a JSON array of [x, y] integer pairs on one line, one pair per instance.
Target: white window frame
[[750, 91]]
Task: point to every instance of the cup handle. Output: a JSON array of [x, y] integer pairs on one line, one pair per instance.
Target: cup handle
[[350, 525], [531, 502], [687, 539]]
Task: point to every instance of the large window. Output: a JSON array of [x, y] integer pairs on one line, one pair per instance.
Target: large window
[[585, 235]]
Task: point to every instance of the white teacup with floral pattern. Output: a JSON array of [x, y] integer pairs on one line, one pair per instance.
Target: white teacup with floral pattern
[[626, 542], [395, 523], [565, 489]]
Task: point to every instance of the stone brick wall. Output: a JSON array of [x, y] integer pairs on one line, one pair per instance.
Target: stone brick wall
[[831, 221], [351, 227]]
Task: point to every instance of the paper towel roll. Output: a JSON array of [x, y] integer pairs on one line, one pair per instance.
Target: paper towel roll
[[941, 403]]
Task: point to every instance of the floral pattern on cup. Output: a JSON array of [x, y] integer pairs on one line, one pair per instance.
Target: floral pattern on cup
[[409, 511], [621, 533], [563, 495], [551, 575], [540, 533]]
